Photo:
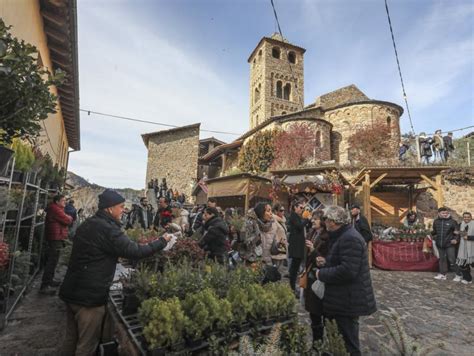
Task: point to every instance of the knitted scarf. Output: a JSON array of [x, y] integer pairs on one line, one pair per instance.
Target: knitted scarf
[[466, 248]]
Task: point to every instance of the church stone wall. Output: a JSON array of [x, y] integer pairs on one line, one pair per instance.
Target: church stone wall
[[347, 120], [174, 155]]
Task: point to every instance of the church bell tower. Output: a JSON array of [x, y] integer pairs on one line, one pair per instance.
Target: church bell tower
[[276, 79]]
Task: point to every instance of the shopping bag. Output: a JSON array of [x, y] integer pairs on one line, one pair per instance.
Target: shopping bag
[[318, 288]]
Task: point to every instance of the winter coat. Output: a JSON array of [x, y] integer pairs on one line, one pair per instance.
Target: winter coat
[[268, 235], [250, 236], [144, 217], [448, 143], [312, 303], [57, 222], [438, 142], [98, 244], [70, 210], [361, 224], [296, 235], [348, 286], [443, 232], [281, 236], [214, 238], [425, 146], [160, 214]]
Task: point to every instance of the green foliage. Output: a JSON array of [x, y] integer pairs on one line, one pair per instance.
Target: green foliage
[[284, 296], [139, 280], [459, 157], [24, 157], [333, 342], [258, 153], [218, 277], [164, 322], [200, 309], [26, 99], [400, 342], [241, 307], [294, 339]]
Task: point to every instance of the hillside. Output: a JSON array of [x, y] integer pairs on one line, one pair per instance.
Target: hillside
[[85, 193]]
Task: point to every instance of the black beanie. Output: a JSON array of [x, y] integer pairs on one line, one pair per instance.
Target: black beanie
[[109, 198]]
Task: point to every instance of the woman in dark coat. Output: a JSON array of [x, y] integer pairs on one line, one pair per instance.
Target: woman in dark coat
[[318, 246], [296, 241]]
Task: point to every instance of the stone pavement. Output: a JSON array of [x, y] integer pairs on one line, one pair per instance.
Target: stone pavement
[[431, 311]]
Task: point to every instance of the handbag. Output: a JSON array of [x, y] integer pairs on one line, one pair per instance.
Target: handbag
[[274, 249], [303, 281], [318, 288]]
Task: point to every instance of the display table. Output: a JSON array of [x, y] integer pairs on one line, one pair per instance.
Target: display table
[[403, 256]]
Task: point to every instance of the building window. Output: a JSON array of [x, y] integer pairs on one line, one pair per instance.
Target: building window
[[256, 96], [279, 90], [259, 55], [254, 62], [292, 57], [276, 52], [317, 139], [287, 91], [389, 122], [283, 112]]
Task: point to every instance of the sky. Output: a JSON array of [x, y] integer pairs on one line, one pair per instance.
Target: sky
[[185, 61]]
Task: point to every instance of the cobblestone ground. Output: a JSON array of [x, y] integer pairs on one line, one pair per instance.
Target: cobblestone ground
[[431, 311]]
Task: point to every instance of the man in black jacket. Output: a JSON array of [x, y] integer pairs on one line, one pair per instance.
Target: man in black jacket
[[361, 223], [446, 235], [214, 236], [348, 286], [98, 244]]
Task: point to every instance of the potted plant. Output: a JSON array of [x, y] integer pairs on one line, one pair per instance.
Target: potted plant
[[241, 307], [164, 322], [198, 319]]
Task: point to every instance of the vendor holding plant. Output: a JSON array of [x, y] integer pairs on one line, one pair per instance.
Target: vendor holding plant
[[98, 244]]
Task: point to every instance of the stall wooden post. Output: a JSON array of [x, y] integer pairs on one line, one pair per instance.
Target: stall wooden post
[[439, 191], [247, 198], [367, 211]]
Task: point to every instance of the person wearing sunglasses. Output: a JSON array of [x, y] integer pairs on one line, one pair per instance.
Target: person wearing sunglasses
[[281, 241]]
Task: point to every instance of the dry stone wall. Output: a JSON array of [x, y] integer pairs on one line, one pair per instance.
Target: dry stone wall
[[174, 155]]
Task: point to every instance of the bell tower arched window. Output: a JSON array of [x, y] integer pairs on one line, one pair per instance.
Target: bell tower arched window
[[287, 91], [256, 96], [276, 52], [279, 89], [292, 57]]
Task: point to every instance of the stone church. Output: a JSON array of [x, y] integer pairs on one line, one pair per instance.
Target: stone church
[[276, 101]]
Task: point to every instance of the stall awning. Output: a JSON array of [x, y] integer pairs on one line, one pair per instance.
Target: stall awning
[[239, 184]]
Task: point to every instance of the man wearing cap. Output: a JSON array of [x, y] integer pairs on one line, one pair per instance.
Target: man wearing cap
[[361, 223], [98, 244]]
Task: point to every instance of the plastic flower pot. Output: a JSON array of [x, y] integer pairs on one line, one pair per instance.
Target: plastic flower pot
[[160, 351], [108, 349], [130, 302], [18, 176], [178, 346], [194, 344], [5, 155]]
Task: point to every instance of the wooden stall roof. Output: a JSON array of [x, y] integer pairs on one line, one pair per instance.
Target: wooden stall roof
[[238, 184], [399, 175], [310, 171]]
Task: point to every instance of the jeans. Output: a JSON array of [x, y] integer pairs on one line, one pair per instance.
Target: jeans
[[349, 329], [86, 328], [52, 258], [447, 260], [293, 271]]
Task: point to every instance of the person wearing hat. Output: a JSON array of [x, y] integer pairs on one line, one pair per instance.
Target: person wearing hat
[[98, 244], [361, 223]]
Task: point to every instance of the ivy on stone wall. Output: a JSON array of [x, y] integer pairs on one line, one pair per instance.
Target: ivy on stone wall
[[257, 155], [371, 146]]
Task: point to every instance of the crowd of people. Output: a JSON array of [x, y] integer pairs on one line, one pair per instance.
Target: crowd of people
[[325, 252], [436, 149]]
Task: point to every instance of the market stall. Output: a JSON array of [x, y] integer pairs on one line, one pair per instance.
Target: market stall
[[387, 195], [318, 187], [239, 190]]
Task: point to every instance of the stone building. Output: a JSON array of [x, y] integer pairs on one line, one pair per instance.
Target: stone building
[[276, 101]]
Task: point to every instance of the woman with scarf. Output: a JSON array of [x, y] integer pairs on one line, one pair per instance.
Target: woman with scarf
[[466, 248], [257, 231], [279, 222], [318, 250]]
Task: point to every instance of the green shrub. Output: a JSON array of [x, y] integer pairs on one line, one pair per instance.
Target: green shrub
[[164, 322], [239, 300]]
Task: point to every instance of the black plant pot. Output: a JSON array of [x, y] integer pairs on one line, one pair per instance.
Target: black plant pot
[[178, 347], [194, 344], [160, 351], [108, 349], [130, 303], [5, 155], [12, 214], [244, 327]]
